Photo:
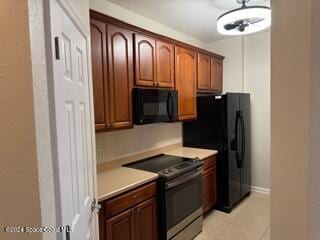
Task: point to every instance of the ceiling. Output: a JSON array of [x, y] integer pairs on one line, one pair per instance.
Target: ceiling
[[196, 18]]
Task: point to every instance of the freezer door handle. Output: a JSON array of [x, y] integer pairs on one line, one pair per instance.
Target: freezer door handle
[[243, 139], [235, 142]]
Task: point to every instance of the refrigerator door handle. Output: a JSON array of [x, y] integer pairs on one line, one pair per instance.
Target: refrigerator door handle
[[235, 142], [243, 139]]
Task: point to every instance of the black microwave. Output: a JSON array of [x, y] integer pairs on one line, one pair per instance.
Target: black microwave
[[154, 105]]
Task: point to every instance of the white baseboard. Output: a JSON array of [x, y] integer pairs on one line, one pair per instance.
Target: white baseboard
[[260, 190]]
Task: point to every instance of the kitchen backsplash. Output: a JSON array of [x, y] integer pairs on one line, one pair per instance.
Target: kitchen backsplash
[[120, 144]]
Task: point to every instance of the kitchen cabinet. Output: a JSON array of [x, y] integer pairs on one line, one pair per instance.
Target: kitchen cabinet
[[209, 76], [99, 73], [204, 72], [121, 226], [112, 73], [209, 179], [120, 65], [124, 56], [165, 64], [185, 82], [146, 220], [216, 75], [130, 216], [154, 62], [145, 60]]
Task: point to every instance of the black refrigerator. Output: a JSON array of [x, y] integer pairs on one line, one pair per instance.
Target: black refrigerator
[[223, 124]]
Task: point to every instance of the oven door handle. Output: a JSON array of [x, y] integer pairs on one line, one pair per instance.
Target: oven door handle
[[182, 180]]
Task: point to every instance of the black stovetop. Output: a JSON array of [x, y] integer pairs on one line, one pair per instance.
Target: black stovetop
[[166, 165]]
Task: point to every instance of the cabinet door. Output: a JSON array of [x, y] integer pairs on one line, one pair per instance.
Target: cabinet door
[[121, 226], [216, 74], [203, 79], [146, 220], [165, 64], [145, 60], [209, 188], [185, 79], [99, 73], [120, 76]]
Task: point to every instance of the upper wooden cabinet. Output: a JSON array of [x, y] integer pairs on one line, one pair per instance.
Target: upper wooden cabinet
[[185, 79], [112, 72], [100, 74], [209, 78], [165, 64], [204, 76], [145, 60], [120, 76], [124, 56], [154, 62], [216, 74]]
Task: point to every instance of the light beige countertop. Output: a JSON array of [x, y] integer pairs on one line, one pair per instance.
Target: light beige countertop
[[192, 152], [117, 179], [114, 181]]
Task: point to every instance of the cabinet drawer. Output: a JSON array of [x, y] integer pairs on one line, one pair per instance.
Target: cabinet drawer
[[209, 162], [129, 199]]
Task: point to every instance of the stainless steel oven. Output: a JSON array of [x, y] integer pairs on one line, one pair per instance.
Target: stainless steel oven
[[183, 199], [179, 195]]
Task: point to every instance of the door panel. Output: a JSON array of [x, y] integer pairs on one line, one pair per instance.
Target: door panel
[[185, 77], [99, 73], [216, 74], [145, 60], [209, 188], [203, 79], [120, 76], [146, 220], [246, 164], [74, 135], [234, 170], [165, 64], [121, 227]]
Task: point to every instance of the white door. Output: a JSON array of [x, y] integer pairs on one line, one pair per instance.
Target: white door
[[73, 125]]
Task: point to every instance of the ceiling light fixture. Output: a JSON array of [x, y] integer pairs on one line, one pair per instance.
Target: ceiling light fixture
[[244, 20]]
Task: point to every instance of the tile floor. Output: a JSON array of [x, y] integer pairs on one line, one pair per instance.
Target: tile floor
[[250, 220]]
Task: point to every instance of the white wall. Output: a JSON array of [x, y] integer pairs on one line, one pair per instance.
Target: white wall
[[118, 144], [247, 69]]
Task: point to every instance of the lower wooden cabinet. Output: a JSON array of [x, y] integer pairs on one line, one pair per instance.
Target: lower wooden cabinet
[[209, 180], [130, 216], [121, 226], [146, 220]]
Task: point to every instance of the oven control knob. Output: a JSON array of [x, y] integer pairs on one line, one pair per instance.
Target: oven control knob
[[170, 170], [165, 171]]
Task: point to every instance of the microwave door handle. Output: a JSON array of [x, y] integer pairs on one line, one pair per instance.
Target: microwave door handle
[[170, 106], [180, 181]]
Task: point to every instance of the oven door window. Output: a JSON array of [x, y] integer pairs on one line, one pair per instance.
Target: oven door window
[[183, 200]]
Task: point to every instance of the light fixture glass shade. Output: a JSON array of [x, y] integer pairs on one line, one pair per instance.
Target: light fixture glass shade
[[252, 12]]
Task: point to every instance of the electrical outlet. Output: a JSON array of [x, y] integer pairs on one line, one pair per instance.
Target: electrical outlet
[[100, 154]]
